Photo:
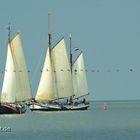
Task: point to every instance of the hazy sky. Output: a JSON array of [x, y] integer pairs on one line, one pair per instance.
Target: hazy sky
[[107, 31]]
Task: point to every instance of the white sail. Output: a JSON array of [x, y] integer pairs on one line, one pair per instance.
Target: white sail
[[61, 65], [9, 86], [79, 77], [46, 89], [16, 85]]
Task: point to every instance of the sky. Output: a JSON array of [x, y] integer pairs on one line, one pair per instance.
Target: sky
[[107, 31]]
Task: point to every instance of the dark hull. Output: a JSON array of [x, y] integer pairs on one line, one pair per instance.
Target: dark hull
[[7, 109], [61, 108], [45, 109], [82, 108], [75, 108]]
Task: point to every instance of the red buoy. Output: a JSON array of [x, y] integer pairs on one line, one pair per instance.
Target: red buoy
[[105, 106]]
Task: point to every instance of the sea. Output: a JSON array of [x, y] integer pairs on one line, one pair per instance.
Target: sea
[[120, 121]]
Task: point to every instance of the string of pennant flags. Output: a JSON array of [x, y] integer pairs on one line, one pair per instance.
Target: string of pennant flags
[[86, 70], [77, 49]]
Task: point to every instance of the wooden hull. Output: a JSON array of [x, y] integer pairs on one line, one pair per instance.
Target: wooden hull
[[8, 109]]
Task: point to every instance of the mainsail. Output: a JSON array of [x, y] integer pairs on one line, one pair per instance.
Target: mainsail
[[56, 80], [16, 86], [79, 77], [62, 68]]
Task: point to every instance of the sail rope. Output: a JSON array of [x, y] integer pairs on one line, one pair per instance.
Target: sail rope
[[3, 56], [2, 63], [38, 65]]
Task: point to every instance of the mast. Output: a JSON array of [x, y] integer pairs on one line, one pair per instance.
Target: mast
[[9, 37], [70, 54], [9, 32], [49, 30]]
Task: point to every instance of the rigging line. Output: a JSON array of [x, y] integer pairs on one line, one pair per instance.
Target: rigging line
[[38, 65], [5, 48], [2, 64]]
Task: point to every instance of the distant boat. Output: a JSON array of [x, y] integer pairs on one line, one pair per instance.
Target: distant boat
[[16, 87]]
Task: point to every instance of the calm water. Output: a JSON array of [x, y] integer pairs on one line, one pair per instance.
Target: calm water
[[121, 121]]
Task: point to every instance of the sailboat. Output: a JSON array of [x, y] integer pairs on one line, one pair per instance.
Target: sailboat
[[60, 85], [80, 87], [56, 81], [16, 87], [59, 82]]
